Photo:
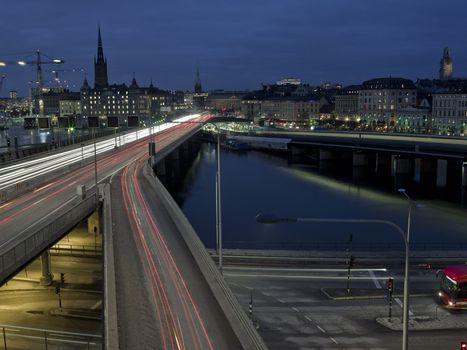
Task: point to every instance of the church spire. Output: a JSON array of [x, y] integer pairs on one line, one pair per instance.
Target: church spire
[[198, 87], [100, 64], [445, 69]]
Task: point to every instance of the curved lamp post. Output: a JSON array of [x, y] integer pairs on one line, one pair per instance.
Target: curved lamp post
[[264, 218]]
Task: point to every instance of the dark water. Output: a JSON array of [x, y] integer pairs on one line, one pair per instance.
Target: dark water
[[256, 182]]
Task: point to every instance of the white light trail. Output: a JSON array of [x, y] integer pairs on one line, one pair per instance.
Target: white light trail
[[28, 170]]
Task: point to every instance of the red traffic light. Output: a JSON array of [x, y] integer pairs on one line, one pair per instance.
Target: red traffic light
[[463, 345], [390, 284]]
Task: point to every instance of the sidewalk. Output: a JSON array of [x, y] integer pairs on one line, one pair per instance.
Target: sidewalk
[[447, 321], [370, 293]]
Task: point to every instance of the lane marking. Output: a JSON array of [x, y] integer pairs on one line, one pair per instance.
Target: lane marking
[[321, 329], [295, 309], [280, 301], [373, 277], [309, 319], [334, 340]]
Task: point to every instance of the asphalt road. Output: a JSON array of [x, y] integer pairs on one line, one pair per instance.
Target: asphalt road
[[163, 300], [25, 211], [293, 312]]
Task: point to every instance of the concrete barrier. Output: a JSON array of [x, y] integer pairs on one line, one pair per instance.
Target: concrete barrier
[[237, 318], [29, 243], [110, 295]]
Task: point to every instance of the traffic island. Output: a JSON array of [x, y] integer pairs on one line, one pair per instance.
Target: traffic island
[[425, 323], [369, 293]]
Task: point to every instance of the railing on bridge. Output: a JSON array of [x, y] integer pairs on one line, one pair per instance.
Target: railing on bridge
[[15, 337]]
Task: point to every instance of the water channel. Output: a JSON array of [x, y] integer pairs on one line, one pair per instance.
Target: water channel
[[254, 182]]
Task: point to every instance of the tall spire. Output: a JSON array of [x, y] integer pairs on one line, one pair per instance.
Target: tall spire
[[100, 49], [198, 87], [100, 64]]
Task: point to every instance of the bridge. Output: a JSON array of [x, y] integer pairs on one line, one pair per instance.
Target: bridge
[[162, 287], [431, 161]]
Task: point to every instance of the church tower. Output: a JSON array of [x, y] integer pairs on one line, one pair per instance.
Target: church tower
[[445, 69], [100, 65], [198, 88]]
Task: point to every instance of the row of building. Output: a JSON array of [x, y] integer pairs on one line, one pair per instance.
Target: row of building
[[384, 104]]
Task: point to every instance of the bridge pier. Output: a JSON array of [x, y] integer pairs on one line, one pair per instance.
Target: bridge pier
[[360, 165], [326, 159], [47, 276], [93, 223], [400, 170], [441, 173], [464, 184]]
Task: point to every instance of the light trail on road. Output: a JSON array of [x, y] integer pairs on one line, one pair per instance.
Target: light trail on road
[[179, 321]]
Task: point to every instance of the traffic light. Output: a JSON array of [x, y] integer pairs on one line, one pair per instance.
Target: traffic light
[[390, 284], [463, 345], [62, 278], [8, 142], [57, 289]]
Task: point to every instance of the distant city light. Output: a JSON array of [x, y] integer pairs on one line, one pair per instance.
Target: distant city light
[[57, 61], [2, 64], [21, 63]]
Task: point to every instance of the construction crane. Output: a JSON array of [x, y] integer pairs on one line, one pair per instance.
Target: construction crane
[[38, 62], [55, 72]]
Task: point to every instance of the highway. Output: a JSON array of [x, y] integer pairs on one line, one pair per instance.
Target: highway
[[170, 305], [28, 209]]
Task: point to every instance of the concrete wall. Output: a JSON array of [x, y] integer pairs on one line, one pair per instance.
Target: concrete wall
[[239, 321]]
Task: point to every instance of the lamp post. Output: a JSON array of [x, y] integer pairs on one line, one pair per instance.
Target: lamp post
[[405, 331], [273, 219], [218, 191]]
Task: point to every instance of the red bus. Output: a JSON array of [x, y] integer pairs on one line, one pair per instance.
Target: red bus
[[453, 287]]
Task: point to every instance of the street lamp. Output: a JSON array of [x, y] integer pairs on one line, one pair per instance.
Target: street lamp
[[405, 332], [264, 218], [218, 191]]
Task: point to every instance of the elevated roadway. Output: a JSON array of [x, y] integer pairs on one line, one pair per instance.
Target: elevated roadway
[[435, 146], [43, 189]]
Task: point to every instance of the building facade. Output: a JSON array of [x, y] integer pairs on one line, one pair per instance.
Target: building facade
[[380, 99], [346, 103], [450, 113]]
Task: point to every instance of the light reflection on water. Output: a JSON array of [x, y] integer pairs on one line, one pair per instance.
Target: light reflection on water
[[256, 182]]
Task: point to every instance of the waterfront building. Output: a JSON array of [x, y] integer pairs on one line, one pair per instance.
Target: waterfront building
[[450, 113], [380, 99], [70, 106], [445, 69], [121, 100], [415, 119], [225, 101], [346, 103]]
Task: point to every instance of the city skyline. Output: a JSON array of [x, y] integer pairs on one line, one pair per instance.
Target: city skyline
[[235, 48]]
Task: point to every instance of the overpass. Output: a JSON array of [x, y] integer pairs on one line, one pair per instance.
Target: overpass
[[191, 303]]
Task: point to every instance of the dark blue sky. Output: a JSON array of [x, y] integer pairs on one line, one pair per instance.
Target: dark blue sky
[[237, 44]]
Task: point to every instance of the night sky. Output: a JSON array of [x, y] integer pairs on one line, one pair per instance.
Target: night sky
[[237, 44]]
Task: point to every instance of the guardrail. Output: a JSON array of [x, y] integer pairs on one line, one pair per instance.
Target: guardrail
[[235, 315], [34, 240], [15, 337], [77, 249]]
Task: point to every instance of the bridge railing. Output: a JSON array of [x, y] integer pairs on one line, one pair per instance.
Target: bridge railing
[[15, 337], [29, 243]]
